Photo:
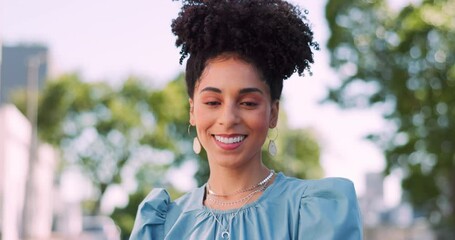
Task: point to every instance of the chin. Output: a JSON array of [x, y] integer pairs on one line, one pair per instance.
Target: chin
[[230, 160]]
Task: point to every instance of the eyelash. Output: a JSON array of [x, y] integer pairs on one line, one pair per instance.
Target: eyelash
[[247, 104], [212, 103]]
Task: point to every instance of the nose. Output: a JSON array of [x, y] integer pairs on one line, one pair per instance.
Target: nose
[[229, 115]]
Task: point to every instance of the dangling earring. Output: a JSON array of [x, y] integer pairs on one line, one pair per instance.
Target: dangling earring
[[272, 146], [196, 144]]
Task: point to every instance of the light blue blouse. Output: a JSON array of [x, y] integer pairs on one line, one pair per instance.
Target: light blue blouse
[[289, 208]]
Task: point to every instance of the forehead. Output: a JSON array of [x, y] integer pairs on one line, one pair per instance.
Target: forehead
[[231, 73]]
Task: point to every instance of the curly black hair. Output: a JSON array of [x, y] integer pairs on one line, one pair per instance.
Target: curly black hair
[[273, 35]]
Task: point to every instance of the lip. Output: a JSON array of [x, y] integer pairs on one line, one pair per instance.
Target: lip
[[228, 146]]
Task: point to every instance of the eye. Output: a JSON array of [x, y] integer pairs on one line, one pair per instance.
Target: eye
[[249, 104], [212, 103]]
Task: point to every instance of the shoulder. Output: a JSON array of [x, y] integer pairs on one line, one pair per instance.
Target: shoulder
[[329, 208], [330, 188], [325, 188], [158, 198], [155, 203], [189, 201], [151, 215], [157, 213]]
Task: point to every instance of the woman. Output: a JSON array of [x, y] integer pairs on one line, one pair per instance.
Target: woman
[[240, 51]]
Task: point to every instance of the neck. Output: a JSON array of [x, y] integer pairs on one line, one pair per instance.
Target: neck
[[227, 180]]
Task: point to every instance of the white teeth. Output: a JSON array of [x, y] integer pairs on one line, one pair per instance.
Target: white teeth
[[229, 140]]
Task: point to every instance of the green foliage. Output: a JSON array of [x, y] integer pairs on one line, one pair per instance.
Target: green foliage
[[298, 151], [170, 106], [404, 62], [102, 130], [124, 217]]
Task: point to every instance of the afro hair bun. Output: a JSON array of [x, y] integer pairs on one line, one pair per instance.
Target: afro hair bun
[[273, 34]]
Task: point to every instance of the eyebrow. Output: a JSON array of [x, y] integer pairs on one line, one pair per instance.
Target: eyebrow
[[211, 89], [242, 91], [250, 90]]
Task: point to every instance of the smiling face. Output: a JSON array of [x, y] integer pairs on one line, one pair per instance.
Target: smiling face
[[232, 111]]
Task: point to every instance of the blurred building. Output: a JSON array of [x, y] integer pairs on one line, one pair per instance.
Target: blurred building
[[26, 166], [15, 132], [372, 201], [383, 222], [16, 63], [35, 202]]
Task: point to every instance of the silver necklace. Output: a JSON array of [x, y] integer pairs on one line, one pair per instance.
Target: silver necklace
[[230, 203], [259, 184], [225, 234]]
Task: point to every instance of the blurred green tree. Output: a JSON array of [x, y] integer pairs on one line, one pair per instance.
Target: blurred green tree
[[102, 129], [402, 62]]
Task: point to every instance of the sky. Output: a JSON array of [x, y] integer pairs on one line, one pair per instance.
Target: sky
[[109, 40]]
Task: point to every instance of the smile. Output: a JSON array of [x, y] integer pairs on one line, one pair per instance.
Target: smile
[[230, 140]]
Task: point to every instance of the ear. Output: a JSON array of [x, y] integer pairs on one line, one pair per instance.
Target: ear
[[274, 113], [191, 111]]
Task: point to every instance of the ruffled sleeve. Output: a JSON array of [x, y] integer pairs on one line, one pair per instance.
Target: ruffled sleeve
[[151, 216], [329, 210]]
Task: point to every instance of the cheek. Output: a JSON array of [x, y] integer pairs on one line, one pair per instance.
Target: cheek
[[202, 117], [262, 128], [260, 122]]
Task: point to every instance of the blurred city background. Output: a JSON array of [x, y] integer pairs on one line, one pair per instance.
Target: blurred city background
[[94, 114]]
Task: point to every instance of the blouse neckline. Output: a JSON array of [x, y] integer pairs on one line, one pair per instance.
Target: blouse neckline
[[199, 195]]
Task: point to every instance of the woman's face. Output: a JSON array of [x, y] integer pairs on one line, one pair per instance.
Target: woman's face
[[232, 111]]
